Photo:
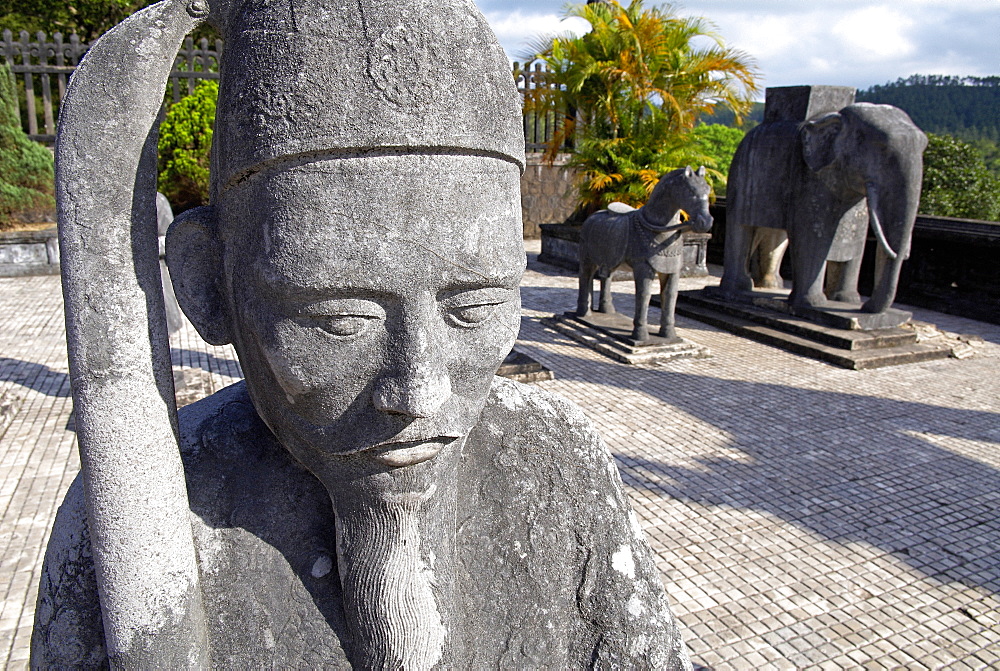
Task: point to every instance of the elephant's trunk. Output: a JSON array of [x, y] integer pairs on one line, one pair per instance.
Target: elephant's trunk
[[898, 211], [875, 224]]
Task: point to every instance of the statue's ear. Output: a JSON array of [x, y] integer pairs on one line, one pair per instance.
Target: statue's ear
[[701, 172], [818, 139], [688, 171], [194, 257]]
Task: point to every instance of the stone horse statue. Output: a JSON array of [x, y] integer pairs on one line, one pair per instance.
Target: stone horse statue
[[648, 239]]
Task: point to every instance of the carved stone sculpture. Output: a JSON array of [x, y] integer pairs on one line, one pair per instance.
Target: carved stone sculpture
[[825, 170], [372, 496], [649, 240], [164, 217]]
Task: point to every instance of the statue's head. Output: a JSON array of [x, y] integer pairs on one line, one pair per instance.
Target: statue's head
[[362, 250]]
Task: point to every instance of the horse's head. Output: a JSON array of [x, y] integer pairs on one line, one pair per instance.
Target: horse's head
[[683, 189]]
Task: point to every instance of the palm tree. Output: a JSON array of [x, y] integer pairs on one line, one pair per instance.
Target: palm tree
[[630, 92]]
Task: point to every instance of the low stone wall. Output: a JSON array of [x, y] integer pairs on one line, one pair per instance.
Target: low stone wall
[[29, 253], [548, 194], [561, 247], [954, 265]]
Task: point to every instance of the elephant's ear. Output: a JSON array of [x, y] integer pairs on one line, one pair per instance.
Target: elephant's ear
[[818, 139]]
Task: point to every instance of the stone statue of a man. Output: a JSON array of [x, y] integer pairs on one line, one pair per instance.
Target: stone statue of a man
[[371, 496]]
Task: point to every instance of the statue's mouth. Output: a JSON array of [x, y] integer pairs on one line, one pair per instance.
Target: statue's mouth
[[408, 453]]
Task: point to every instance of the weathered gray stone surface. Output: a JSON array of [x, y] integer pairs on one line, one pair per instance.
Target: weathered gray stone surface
[[540, 545], [372, 496], [824, 170], [29, 253], [165, 217], [649, 240]]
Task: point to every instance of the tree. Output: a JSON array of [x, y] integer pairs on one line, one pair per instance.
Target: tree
[[185, 145], [87, 18], [630, 92], [964, 107], [957, 182], [719, 143], [26, 176]]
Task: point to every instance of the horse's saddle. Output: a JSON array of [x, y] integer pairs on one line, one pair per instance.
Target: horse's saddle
[[620, 208]]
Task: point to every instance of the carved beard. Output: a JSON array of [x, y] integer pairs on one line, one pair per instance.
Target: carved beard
[[395, 550]]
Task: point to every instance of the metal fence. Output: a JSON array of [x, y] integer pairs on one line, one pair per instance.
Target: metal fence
[[539, 127], [37, 62]]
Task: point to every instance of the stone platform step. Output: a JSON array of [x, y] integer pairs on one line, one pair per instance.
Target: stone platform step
[[610, 335], [520, 367], [856, 350]]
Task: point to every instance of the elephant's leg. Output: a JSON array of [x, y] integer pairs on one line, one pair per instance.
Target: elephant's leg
[[771, 246], [607, 305], [809, 271], [842, 285], [668, 303], [643, 274], [735, 278], [585, 296], [886, 282]]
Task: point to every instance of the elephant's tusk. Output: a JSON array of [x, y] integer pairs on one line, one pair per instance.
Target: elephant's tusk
[[876, 225]]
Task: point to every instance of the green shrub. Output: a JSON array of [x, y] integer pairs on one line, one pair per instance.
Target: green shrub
[[957, 182], [184, 146], [26, 173], [719, 143]]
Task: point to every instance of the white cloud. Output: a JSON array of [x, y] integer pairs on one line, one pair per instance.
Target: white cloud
[[515, 30], [877, 32], [847, 42]]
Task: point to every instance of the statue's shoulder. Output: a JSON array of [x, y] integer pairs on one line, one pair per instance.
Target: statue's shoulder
[[565, 545], [68, 630], [527, 427], [227, 415], [527, 413]]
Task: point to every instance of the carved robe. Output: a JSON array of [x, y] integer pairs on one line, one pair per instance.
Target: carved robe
[[552, 567]]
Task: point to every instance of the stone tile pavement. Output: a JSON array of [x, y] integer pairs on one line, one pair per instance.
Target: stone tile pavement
[[803, 516]]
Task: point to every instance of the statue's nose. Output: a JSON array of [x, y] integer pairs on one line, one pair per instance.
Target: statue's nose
[[419, 384]]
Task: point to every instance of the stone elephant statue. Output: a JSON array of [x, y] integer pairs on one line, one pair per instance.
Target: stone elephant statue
[[825, 182]]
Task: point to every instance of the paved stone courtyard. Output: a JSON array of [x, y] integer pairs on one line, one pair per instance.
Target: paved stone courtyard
[[804, 516]]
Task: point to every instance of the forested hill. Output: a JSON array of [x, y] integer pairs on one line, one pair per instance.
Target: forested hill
[[966, 107]]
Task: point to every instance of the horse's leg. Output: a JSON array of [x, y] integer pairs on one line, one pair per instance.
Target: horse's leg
[[586, 294], [643, 274], [668, 302], [607, 306]]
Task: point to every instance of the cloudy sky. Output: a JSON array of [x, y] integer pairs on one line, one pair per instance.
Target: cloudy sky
[[847, 42]]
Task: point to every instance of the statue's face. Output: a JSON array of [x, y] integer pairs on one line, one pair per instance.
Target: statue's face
[[373, 299]]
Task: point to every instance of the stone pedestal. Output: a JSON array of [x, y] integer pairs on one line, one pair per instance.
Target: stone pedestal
[[836, 315], [611, 335], [561, 247], [520, 367], [840, 335]]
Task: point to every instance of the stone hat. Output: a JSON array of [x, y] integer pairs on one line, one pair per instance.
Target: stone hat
[[307, 79]]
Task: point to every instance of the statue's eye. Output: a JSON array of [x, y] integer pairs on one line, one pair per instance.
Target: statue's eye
[[343, 318], [346, 326], [469, 309]]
